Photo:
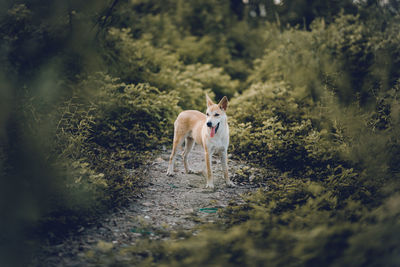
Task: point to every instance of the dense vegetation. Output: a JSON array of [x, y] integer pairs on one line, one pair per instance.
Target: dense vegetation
[[90, 90]]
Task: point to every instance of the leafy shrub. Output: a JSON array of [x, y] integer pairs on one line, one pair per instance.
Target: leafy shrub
[[133, 117], [85, 154], [137, 61], [111, 131], [324, 70], [346, 57], [210, 78], [277, 128]]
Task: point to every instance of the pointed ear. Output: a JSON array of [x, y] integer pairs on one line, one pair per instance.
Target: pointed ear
[[223, 104], [209, 101]]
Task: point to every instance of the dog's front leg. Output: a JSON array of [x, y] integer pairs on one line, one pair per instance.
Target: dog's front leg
[[210, 179], [224, 163]]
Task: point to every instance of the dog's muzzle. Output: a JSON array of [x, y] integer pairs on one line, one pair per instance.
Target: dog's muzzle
[[213, 129]]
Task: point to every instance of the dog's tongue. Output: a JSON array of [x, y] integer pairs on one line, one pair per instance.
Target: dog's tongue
[[212, 131]]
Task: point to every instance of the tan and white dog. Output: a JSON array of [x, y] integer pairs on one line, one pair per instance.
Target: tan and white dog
[[209, 130]]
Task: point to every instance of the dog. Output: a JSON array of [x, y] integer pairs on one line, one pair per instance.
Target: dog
[[209, 130]]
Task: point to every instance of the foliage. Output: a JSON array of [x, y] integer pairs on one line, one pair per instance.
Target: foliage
[[113, 135], [336, 157], [205, 32], [92, 88], [138, 61], [300, 12], [294, 222], [271, 118], [313, 110]]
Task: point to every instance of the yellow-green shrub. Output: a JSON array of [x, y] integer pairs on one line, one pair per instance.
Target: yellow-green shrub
[[138, 61], [271, 126], [112, 129]]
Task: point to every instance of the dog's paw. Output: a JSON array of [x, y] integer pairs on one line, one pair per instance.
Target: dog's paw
[[170, 173], [210, 186], [230, 184]]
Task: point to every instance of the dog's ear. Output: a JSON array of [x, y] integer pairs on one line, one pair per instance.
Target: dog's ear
[[209, 101], [223, 104]]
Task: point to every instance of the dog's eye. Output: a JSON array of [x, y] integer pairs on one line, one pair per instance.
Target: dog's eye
[[208, 114], [216, 115]]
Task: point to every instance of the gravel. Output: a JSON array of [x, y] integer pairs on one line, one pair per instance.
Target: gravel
[[168, 204]]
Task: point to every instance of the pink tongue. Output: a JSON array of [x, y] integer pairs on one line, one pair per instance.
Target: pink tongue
[[212, 131]]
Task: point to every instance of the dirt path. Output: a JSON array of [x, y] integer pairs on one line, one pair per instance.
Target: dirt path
[[169, 204]]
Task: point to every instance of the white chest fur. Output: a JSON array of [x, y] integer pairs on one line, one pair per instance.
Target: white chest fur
[[220, 142]]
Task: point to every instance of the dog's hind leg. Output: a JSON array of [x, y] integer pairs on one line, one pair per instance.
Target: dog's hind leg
[[188, 147], [178, 139], [224, 163]]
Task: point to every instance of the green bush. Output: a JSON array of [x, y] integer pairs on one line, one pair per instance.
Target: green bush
[[218, 38], [88, 150], [277, 128], [322, 100], [113, 130], [133, 117], [138, 61]]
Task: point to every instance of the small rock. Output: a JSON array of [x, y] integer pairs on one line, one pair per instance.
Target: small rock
[[147, 204], [104, 246], [251, 178], [136, 234], [159, 160], [91, 240]]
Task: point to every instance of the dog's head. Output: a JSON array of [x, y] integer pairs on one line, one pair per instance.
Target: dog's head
[[215, 114]]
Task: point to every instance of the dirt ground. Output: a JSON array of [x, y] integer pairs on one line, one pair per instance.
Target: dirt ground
[[168, 204]]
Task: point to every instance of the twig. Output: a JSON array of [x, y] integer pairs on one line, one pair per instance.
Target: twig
[[108, 14]]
